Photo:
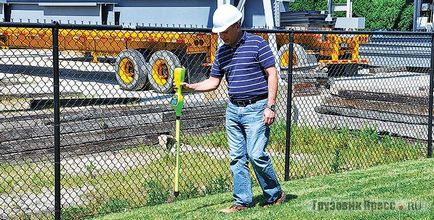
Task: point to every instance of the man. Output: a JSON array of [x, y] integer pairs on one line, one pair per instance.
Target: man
[[247, 63]]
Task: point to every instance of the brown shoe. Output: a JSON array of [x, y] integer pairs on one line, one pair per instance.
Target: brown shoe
[[281, 199], [233, 208]]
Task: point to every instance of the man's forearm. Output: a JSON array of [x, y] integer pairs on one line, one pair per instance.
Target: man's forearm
[[272, 85], [205, 86]]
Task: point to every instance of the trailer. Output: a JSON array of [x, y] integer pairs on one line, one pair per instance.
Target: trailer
[[150, 57]]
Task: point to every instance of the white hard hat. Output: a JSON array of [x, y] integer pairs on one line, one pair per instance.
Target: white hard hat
[[225, 16]]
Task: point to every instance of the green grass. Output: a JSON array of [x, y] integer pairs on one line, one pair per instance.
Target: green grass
[[400, 183], [149, 185], [319, 151], [324, 151], [314, 151], [26, 176], [218, 138], [309, 139]]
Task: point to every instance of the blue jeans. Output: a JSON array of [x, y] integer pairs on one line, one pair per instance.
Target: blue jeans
[[248, 137]]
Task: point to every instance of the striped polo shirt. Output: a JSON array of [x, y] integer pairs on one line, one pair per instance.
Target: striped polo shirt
[[243, 66]]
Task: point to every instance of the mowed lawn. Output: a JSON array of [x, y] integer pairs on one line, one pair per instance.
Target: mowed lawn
[[402, 190]]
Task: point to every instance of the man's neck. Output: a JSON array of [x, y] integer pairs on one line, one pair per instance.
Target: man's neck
[[240, 34]]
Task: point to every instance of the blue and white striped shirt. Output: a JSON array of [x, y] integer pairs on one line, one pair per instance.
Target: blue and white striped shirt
[[243, 66]]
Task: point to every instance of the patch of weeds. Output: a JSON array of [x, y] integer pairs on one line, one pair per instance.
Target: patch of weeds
[[216, 138], [156, 193], [336, 161], [189, 191], [75, 213], [369, 135], [219, 184], [277, 135], [114, 205]]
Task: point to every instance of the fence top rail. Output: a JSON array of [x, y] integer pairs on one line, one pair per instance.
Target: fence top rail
[[199, 29], [27, 25], [163, 28], [362, 32]]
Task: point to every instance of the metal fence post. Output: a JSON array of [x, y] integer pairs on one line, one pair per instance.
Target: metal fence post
[[289, 106], [57, 196], [430, 102]]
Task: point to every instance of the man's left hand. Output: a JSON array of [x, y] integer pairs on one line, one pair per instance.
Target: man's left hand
[[269, 116]]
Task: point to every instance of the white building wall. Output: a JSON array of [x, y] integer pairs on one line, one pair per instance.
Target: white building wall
[[35, 13], [186, 12], [190, 16], [147, 12]]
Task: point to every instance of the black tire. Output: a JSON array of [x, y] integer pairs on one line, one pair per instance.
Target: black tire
[[131, 70], [162, 64]]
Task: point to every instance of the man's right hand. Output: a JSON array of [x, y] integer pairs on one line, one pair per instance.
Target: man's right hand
[[185, 87], [203, 86]]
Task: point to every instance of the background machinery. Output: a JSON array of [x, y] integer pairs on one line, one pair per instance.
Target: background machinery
[[150, 57]]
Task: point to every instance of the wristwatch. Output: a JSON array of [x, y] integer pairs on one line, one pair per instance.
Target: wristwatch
[[271, 107]]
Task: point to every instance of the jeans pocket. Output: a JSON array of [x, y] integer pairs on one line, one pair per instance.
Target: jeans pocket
[[259, 106]]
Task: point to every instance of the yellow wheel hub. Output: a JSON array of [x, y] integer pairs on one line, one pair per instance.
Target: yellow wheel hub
[[126, 70], [284, 59], [160, 72]]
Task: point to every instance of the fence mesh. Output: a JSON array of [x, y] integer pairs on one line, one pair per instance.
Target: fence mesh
[[357, 100], [369, 104]]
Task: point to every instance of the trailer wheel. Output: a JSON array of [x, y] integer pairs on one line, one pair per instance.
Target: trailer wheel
[[131, 70], [299, 56], [163, 63]]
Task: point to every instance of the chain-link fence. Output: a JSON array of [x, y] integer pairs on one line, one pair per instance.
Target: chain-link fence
[[98, 99]]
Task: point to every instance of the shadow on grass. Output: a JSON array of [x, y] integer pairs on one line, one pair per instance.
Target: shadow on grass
[[207, 206], [260, 199], [257, 201]]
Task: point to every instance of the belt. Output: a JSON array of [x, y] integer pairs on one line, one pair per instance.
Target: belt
[[246, 102]]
